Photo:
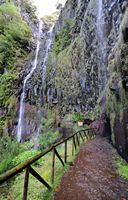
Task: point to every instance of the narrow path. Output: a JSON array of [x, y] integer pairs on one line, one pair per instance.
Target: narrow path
[[93, 175]]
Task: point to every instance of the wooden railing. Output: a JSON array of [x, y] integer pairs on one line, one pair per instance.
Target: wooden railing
[[77, 138]]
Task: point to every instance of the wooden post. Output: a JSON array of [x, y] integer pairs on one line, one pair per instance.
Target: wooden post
[[74, 143], [53, 166], [26, 182], [65, 155], [72, 147], [77, 140], [39, 178], [58, 156], [85, 134], [81, 136]]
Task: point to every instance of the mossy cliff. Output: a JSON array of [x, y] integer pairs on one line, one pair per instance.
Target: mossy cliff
[[73, 71], [16, 49], [117, 89], [75, 74]]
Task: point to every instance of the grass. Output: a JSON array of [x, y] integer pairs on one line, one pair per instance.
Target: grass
[[36, 190], [122, 167]]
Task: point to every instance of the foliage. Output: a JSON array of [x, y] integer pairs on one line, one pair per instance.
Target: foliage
[[77, 117], [30, 8], [6, 93], [8, 150], [48, 138], [36, 190], [49, 135], [63, 38], [48, 123], [51, 19], [24, 156], [122, 168], [15, 36]]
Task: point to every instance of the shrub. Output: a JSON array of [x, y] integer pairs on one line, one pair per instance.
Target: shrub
[[15, 36], [24, 156], [8, 150], [63, 38], [77, 117], [48, 139], [6, 82]]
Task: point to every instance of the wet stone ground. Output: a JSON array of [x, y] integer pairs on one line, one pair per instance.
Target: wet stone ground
[[94, 175]]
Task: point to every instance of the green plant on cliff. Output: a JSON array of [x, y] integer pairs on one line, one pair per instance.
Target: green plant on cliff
[[77, 117], [63, 38], [122, 167], [51, 19], [15, 36], [30, 8], [8, 150], [6, 93]]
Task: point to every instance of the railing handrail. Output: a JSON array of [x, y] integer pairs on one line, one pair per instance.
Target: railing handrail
[[15, 170]]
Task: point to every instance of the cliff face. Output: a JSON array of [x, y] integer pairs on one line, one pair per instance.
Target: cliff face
[[17, 66], [117, 89], [88, 62], [77, 69]]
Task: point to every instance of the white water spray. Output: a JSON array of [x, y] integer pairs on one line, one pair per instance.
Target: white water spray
[[21, 112], [48, 45], [102, 71]]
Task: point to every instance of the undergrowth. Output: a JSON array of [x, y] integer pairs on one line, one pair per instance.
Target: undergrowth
[[36, 190], [122, 167]]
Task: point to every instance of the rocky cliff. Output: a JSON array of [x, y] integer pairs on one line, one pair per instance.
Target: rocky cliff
[[18, 57], [88, 62], [117, 89], [87, 66], [77, 70]]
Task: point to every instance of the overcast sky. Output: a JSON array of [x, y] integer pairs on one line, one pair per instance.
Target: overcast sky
[[46, 7]]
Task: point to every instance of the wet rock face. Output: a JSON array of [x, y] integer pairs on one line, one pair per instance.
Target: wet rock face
[[117, 90], [76, 76]]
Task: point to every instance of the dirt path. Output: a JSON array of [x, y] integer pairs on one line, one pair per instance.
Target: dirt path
[[93, 175]]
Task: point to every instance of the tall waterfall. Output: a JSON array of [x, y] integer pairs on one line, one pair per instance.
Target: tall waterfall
[[102, 69], [48, 45], [22, 105], [21, 112]]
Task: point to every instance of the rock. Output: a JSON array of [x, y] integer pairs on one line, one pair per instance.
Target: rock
[[77, 73]]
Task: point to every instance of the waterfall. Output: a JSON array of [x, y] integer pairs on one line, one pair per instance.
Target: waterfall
[[102, 69], [21, 112], [22, 105], [48, 45]]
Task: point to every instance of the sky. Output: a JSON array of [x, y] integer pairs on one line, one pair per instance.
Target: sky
[[46, 7]]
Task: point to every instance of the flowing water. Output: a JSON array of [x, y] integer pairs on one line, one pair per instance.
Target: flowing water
[[48, 45], [102, 70], [21, 112], [22, 105]]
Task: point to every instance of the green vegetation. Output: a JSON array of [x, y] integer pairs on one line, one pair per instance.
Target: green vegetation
[[8, 150], [30, 8], [76, 117], [122, 167], [63, 38], [15, 36], [49, 134], [6, 92], [24, 156], [36, 190], [51, 19], [48, 138]]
